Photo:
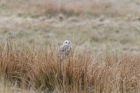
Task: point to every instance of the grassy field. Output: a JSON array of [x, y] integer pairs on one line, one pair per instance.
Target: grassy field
[[100, 25], [105, 37], [36, 70]]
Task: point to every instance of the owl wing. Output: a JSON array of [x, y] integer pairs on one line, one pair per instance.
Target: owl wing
[[64, 48]]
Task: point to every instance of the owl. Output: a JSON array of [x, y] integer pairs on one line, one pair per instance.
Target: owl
[[65, 48]]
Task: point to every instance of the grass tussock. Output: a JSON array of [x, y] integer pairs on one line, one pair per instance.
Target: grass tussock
[[43, 70]]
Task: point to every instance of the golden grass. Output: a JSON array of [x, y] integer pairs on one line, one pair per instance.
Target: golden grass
[[42, 69]]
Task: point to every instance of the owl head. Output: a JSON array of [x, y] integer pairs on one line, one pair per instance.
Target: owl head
[[67, 42]]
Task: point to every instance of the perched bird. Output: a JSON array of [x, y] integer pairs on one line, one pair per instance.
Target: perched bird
[[65, 48]]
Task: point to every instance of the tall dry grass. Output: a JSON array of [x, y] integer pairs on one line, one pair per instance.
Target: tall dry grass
[[43, 70]]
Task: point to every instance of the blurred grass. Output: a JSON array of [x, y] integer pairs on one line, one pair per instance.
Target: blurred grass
[[94, 24], [93, 7]]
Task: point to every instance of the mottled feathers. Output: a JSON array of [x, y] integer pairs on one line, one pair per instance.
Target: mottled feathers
[[65, 48]]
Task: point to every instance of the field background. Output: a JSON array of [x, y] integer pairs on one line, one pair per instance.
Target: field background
[[97, 26]]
